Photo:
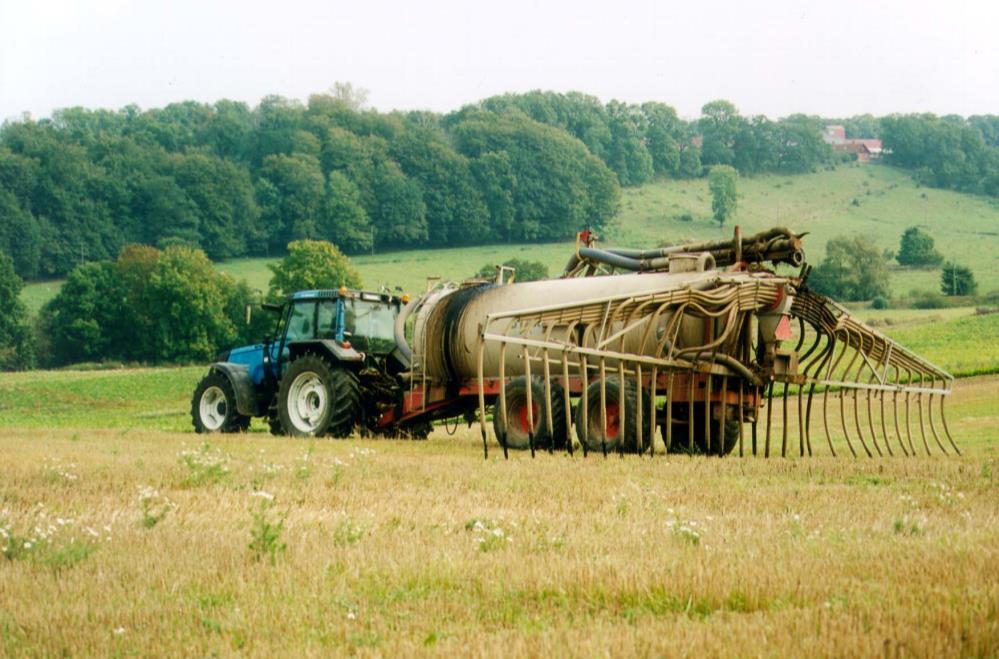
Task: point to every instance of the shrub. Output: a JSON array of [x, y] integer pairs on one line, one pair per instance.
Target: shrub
[[879, 302], [853, 269], [916, 249], [929, 300], [957, 280], [15, 333], [525, 270]]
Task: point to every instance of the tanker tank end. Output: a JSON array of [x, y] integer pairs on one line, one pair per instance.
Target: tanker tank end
[[707, 348]]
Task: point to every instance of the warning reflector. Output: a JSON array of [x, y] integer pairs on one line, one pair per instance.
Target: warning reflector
[[783, 332]]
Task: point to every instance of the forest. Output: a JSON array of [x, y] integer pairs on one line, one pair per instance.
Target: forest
[[235, 181]]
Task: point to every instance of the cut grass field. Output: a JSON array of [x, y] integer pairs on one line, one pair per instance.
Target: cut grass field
[[888, 202], [123, 533], [152, 543]]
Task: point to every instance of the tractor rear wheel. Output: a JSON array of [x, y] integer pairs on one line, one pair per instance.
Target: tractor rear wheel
[[213, 406], [316, 398], [517, 426], [613, 437]]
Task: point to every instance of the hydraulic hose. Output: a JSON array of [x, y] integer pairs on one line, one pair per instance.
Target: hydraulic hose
[[402, 346]]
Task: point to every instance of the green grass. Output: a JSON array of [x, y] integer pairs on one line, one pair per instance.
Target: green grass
[[964, 346], [965, 228], [151, 399]]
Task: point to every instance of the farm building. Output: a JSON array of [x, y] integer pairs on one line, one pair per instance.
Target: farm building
[[864, 149]]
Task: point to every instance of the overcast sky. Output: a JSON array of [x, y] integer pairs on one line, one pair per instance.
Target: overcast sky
[[775, 57]]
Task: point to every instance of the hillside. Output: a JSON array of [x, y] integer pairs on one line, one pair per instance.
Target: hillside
[[965, 228]]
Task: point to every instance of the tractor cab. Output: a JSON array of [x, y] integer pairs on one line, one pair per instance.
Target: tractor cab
[[360, 321]]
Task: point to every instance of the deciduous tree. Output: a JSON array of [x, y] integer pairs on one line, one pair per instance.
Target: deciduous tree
[[724, 200], [312, 264]]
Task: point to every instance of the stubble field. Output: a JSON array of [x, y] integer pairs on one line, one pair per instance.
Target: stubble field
[[154, 543]]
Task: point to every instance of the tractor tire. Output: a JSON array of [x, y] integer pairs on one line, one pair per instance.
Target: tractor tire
[[213, 406], [614, 437], [316, 398], [516, 431]]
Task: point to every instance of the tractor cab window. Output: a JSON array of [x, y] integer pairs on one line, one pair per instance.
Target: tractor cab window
[[301, 322], [370, 325], [326, 320]]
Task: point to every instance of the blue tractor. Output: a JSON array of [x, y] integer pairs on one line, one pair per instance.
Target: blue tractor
[[331, 365]]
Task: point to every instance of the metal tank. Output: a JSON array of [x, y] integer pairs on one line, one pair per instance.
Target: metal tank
[[449, 321]]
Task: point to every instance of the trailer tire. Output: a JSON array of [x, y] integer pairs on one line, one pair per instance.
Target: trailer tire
[[213, 406], [316, 398], [680, 429], [611, 438], [718, 448], [516, 432]]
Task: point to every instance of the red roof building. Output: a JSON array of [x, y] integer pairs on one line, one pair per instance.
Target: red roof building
[[863, 149]]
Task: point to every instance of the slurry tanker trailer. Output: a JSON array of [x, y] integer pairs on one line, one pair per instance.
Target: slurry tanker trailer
[[691, 342]]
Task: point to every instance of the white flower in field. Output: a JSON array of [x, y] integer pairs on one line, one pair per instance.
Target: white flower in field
[[118, 631], [261, 494], [92, 532], [351, 615], [498, 532]]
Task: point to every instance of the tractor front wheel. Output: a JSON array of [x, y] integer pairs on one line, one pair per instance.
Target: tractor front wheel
[[213, 406], [316, 398]]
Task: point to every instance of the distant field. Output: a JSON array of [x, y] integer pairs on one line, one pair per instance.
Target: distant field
[[965, 228]]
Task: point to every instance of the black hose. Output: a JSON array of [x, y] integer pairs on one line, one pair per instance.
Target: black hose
[[610, 258]]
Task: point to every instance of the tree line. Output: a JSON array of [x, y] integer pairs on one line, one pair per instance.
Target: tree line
[[236, 181]]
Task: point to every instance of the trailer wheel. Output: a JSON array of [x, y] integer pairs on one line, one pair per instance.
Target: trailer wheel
[[213, 406], [614, 437], [681, 438], [718, 447], [316, 398], [517, 427], [418, 430]]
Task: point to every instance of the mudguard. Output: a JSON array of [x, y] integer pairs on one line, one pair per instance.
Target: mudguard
[[333, 349], [239, 377]]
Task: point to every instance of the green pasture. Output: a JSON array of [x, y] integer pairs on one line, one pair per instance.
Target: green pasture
[[159, 398], [873, 200]]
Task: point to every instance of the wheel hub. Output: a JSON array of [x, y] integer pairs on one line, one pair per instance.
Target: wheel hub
[[213, 408], [308, 401]]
